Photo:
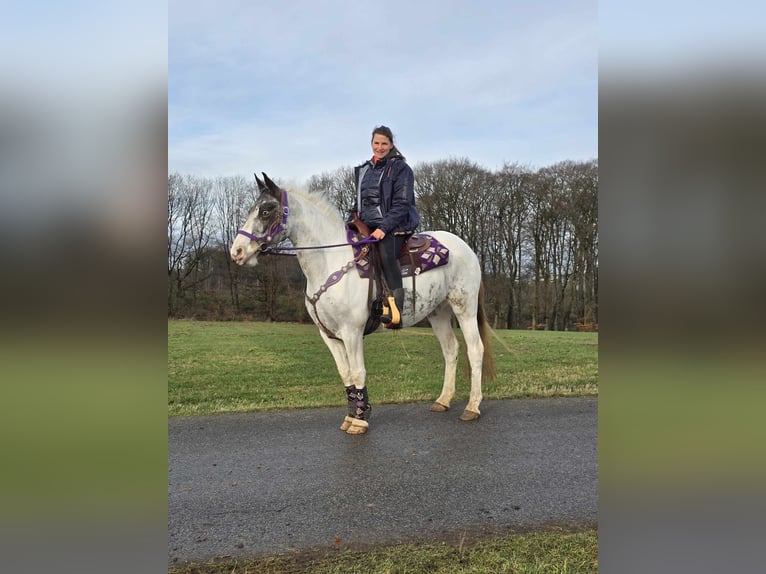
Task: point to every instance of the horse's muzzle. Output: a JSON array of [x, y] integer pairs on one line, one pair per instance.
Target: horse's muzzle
[[241, 257]]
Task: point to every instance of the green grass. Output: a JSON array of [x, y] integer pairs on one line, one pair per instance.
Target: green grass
[[539, 553], [216, 367]]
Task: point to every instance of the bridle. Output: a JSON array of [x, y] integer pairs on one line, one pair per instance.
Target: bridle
[[280, 225]]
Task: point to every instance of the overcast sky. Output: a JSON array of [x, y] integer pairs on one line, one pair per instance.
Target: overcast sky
[[294, 88]]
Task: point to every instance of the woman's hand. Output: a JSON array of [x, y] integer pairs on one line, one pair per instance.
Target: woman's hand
[[378, 234]]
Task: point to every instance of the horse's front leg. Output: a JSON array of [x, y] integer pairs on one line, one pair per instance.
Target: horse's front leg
[[359, 408], [338, 351]]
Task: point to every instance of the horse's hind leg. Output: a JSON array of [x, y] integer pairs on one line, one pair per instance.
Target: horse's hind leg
[[475, 349], [441, 322]]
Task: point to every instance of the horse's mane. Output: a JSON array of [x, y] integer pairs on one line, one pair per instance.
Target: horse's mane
[[320, 202]]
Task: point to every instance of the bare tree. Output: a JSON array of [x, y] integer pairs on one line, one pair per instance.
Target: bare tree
[[453, 195], [233, 199], [584, 215], [553, 243], [177, 230], [189, 213], [514, 188], [337, 187], [563, 228]]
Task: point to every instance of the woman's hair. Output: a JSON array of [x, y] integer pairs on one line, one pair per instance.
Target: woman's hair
[[383, 131], [386, 131]]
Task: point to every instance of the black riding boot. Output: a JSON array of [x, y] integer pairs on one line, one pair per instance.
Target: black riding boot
[[390, 247]]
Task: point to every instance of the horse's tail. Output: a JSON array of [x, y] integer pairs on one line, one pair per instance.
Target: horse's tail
[[488, 363]]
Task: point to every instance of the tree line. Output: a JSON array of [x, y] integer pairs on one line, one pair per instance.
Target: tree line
[[535, 232]]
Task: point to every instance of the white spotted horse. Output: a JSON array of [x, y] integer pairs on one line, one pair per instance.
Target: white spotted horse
[[337, 296]]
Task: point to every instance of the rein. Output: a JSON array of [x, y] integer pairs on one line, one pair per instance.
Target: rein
[[275, 250]]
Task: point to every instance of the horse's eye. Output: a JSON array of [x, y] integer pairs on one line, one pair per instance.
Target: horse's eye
[[265, 213]]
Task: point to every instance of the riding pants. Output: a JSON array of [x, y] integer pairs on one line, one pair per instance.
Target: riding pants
[[389, 248]]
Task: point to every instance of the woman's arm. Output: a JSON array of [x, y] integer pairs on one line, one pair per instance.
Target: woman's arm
[[402, 196]]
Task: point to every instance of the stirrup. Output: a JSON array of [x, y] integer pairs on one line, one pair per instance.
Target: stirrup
[[390, 317]]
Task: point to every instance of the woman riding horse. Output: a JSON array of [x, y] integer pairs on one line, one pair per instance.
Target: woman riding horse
[[337, 296], [385, 202]]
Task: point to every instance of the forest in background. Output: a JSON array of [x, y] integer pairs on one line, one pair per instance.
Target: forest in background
[[535, 232]]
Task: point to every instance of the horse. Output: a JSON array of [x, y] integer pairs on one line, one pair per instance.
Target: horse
[[339, 305]]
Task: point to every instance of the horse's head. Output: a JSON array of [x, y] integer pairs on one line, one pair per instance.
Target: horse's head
[[266, 224]]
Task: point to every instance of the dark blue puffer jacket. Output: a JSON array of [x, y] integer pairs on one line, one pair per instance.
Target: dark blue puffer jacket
[[385, 194]]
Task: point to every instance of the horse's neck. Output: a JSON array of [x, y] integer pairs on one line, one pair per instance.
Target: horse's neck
[[309, 227]]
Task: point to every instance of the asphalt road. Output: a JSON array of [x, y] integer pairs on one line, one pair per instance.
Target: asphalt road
[[270, 483]]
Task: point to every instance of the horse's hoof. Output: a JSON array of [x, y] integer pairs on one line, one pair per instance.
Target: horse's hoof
[[358, 426], [469, 416], [346, 423], [437, 407]]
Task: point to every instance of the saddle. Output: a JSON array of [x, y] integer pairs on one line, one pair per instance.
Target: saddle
[[420, 253]]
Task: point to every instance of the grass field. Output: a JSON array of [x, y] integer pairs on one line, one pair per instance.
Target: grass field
[[216, 367], [536, 553]]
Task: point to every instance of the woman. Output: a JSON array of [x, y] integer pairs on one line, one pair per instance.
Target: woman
[[385, 201]]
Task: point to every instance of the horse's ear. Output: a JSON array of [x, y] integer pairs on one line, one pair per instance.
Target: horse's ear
[[261, 186], [272, 187]]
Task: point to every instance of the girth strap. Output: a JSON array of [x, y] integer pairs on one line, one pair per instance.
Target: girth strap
[[415, 272]]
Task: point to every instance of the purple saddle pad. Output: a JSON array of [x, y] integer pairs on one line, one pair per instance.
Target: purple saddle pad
[[432, 255]]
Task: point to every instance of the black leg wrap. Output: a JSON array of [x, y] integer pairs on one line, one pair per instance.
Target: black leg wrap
[[351, 400], [358, 405]]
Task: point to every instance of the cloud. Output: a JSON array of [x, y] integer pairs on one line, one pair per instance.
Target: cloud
[[302, 86]]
